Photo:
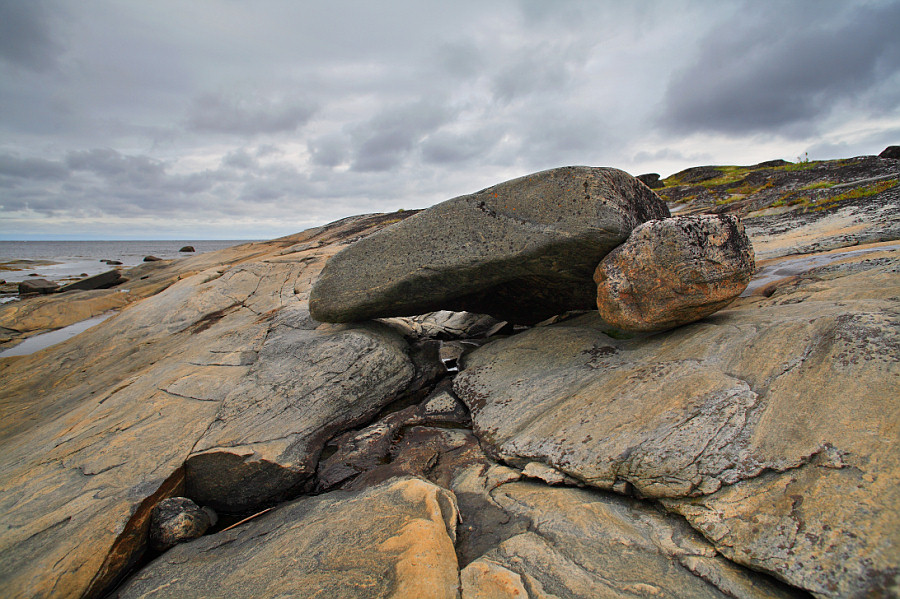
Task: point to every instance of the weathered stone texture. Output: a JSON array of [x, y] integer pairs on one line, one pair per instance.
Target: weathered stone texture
[[96, 431], [305, 386], [584, 544], [674, 271], [176, 520]]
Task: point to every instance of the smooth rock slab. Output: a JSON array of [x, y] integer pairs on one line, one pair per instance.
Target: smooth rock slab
[[674, 271], [521, 251], [305, 386], [771, 426], [104, 280], [393, 540], [95, 431]]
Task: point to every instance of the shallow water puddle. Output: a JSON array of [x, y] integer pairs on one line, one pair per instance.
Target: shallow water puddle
[[44, 340], [801, 264]]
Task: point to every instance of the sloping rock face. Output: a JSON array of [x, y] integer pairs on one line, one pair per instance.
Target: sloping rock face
[[104, 280], [771, 425], [778, 187], [643, 552], [97, 430], [24, 319], [674, 271], [303, 388], [392, 540], [521, 251]]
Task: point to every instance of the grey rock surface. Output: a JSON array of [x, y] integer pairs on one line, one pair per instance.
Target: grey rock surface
[[104, 280], [673, 271], [520, 251], [584, 544], [651, 180], [892, 152], [446, 325], [305, 386], [357, 453]]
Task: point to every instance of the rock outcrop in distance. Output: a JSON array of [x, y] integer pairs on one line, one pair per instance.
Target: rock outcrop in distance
[[752, 453]]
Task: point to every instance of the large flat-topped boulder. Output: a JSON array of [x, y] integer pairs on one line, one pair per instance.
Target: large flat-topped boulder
[[522, 250]]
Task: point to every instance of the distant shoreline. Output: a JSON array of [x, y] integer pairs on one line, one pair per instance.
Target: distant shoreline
[[60, 260]]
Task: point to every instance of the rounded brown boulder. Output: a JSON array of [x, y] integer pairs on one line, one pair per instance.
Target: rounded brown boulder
[[674, 271]]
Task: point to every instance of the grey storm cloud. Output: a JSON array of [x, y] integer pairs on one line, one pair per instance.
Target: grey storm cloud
[[14, 166], [383, 142], [329, 150], [540, 70], [446, 147], [240, 159], [785, 64], [460, 60], [248, 116], [289, 114], [26, 35], [114, 165]]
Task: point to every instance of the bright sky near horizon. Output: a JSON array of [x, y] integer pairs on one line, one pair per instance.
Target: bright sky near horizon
[[127, 119]]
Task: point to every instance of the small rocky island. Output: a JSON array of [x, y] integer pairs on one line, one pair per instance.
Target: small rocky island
[[565, 385]]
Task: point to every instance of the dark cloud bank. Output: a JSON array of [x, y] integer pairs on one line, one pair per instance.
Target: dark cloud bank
[[217, 119]]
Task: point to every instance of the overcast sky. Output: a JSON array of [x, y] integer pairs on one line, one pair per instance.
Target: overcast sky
[[230, 119]]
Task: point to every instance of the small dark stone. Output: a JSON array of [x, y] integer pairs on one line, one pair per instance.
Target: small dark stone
[[187, 248], [38, 286], [112, 262], [177, 520], [104, 280], [892, 152], [651, 180], [772, 163], [151, 259], [697, 174]]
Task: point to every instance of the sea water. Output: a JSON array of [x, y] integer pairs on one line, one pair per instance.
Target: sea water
[[74, 258]]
